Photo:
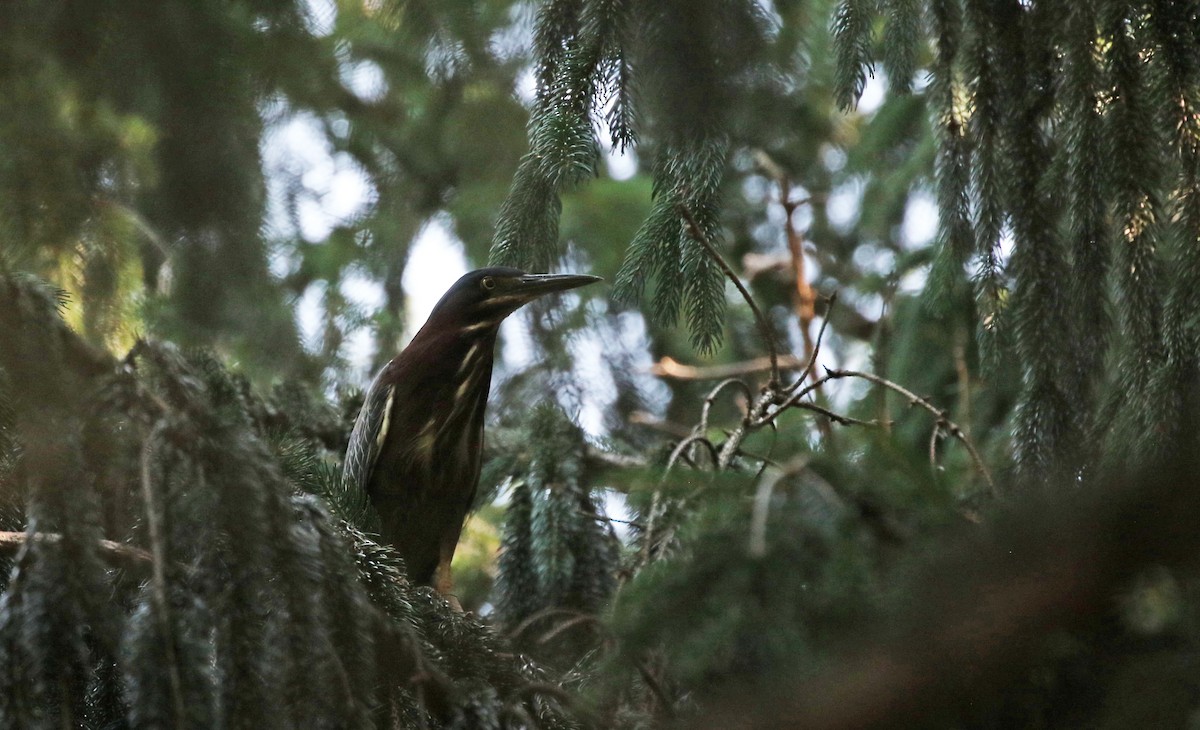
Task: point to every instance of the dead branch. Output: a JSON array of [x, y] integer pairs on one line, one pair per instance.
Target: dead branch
[[943, 418], [811, 361], [837, 418], [668, 367], [757, 546], [117, 554], [684, 444], [804, 297], [702, 427]]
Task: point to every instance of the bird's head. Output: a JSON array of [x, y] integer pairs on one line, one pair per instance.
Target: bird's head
[[481, 299]]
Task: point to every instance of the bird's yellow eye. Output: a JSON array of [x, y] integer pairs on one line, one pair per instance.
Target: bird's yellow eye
[[488, 283]]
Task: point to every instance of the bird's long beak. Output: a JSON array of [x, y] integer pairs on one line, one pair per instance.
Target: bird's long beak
[[532, 286]]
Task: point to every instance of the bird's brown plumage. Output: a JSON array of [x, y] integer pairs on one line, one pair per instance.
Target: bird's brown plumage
[[417, 443]]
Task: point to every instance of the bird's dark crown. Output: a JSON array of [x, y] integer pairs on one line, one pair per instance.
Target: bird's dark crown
[[474, 287], [490, 294]]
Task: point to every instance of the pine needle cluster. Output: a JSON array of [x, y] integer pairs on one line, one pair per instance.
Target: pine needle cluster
[[664, 75], [190, 559], [559, 555], [1069, 130]]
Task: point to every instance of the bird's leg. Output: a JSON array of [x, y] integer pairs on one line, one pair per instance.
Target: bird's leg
[[443, 581]]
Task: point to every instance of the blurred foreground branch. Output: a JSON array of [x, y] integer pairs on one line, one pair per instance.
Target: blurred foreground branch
[[118, 554], [983, 608]]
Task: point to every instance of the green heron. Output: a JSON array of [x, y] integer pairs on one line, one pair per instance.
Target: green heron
[[417, 442]]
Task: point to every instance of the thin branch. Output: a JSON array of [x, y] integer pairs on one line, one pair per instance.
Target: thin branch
[[693, 439], [805, 296], [757, 546], [964, 376], [668, 367], [610, 459], [768, 336], [810, 366], [750, 422], [656, 687], [794, 400], [158, 547], [933, 439], [648, 533], [702, 427], [837, 418], [569, 623], [606, 518], [539, 615], [915, 400], [118, 554]]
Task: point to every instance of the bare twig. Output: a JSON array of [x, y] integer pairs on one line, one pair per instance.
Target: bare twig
[[158, 548], [606, 518], [933, 440], [751, 422], [656, 687], [838, 418], [810, 364], [943, 421], [118, 554], [543, 614], [757, 546], [764, 326], [702, 427], [797, 396], [569, 623], [964, 376], [805, 296], [668, 367], [690, 440]]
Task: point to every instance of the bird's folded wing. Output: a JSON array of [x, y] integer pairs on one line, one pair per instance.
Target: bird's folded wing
[[370, 430]]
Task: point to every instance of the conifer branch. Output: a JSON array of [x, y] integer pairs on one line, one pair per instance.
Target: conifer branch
[[943, 418], [697, 234], [656, 688]]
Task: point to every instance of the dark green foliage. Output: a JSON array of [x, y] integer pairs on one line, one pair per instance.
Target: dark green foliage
[[902, 35], [852, 41], [558, 557], [723, 608], [1086, 216], [953, 158], [1067, 127], [132, 139], [694, 63], [1059, 139], [686, 178], [256, 607]]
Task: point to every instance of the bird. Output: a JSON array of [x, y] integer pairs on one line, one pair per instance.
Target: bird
[[417, 442]]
